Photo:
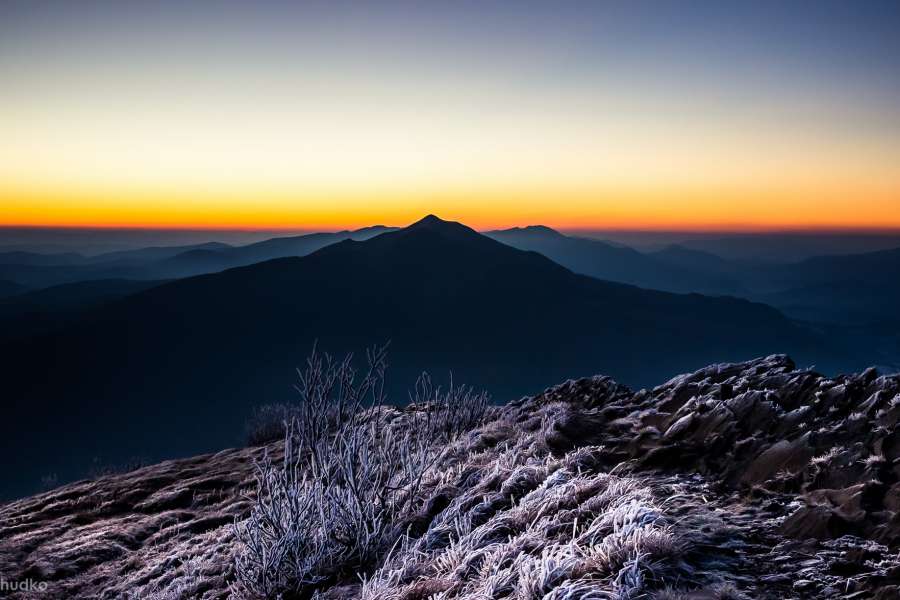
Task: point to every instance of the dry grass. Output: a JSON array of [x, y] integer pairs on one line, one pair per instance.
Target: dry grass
[[352, 473], [433, 503]]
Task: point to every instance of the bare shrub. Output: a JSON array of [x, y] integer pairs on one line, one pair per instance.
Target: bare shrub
[[330, 396], [452, 412], [284, 546], [352, 472]]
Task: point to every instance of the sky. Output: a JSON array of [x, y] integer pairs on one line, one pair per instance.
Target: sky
[[275, 114]]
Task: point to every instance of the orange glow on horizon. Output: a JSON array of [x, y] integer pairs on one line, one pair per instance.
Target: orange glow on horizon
[[614, 209]]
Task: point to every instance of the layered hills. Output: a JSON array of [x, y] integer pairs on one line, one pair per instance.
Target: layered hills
[[134, 378]]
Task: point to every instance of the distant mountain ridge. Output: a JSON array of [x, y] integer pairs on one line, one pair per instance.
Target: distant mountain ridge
[[618, 263], [162, 262], [862, 288]]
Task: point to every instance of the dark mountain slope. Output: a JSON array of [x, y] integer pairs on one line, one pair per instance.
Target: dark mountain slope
[[154, 253], [72, 296], [36, 276], [616, 263], [698, 260], [165, 262], [856, 288], [31, 313], [174, 370], [775, 247], [10, 288], [300, 245], [18, 257]]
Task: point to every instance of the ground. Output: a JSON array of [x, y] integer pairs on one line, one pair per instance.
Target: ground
[[753, 480]]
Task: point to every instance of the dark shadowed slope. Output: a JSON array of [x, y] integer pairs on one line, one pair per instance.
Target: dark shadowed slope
[[775, 247], [31, 313], [174, 370], [154, 253], [697, 260], [300, 245], [856, 288], [617, 263], [10, 288], [18, 257]]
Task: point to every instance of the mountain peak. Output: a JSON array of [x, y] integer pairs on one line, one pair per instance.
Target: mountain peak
[[435, 224], [430, 220]]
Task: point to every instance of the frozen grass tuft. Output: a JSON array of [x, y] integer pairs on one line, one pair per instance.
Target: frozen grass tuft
[[351, 475], [570, 535]]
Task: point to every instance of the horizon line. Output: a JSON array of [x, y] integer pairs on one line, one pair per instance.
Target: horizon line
[[698, 229]]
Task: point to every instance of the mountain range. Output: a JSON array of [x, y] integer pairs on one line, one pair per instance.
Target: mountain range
[[176, 369], [34, 270], [660, 270], [854, 295]]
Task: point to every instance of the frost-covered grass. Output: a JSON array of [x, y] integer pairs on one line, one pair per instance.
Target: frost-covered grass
[[539, 528], [187, 579], [825, 459], [449, 499], [352, 471]]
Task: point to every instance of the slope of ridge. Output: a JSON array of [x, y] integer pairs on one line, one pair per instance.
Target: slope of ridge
[[208, 348], [604, 260], [163, 262], [747, 480]]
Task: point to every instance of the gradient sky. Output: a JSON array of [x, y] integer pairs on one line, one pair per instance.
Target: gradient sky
[[269, 114]]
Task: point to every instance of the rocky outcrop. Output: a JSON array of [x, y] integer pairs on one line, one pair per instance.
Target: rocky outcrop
[[779, 483], [810, 463], [767, 430]]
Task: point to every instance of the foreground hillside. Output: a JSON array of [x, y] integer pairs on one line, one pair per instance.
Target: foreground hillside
[[751, 480]]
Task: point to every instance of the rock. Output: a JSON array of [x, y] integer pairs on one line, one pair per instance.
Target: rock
[[679, 426], [782, 455]]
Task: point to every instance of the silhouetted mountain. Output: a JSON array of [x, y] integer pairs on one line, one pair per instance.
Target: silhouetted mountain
[[163, 262], [175, 369], [696, 260], [789, 247], [194, 262], [300, 245], [616, 263], [873, 266], [209, 260], [856, 288], [154, 253]]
